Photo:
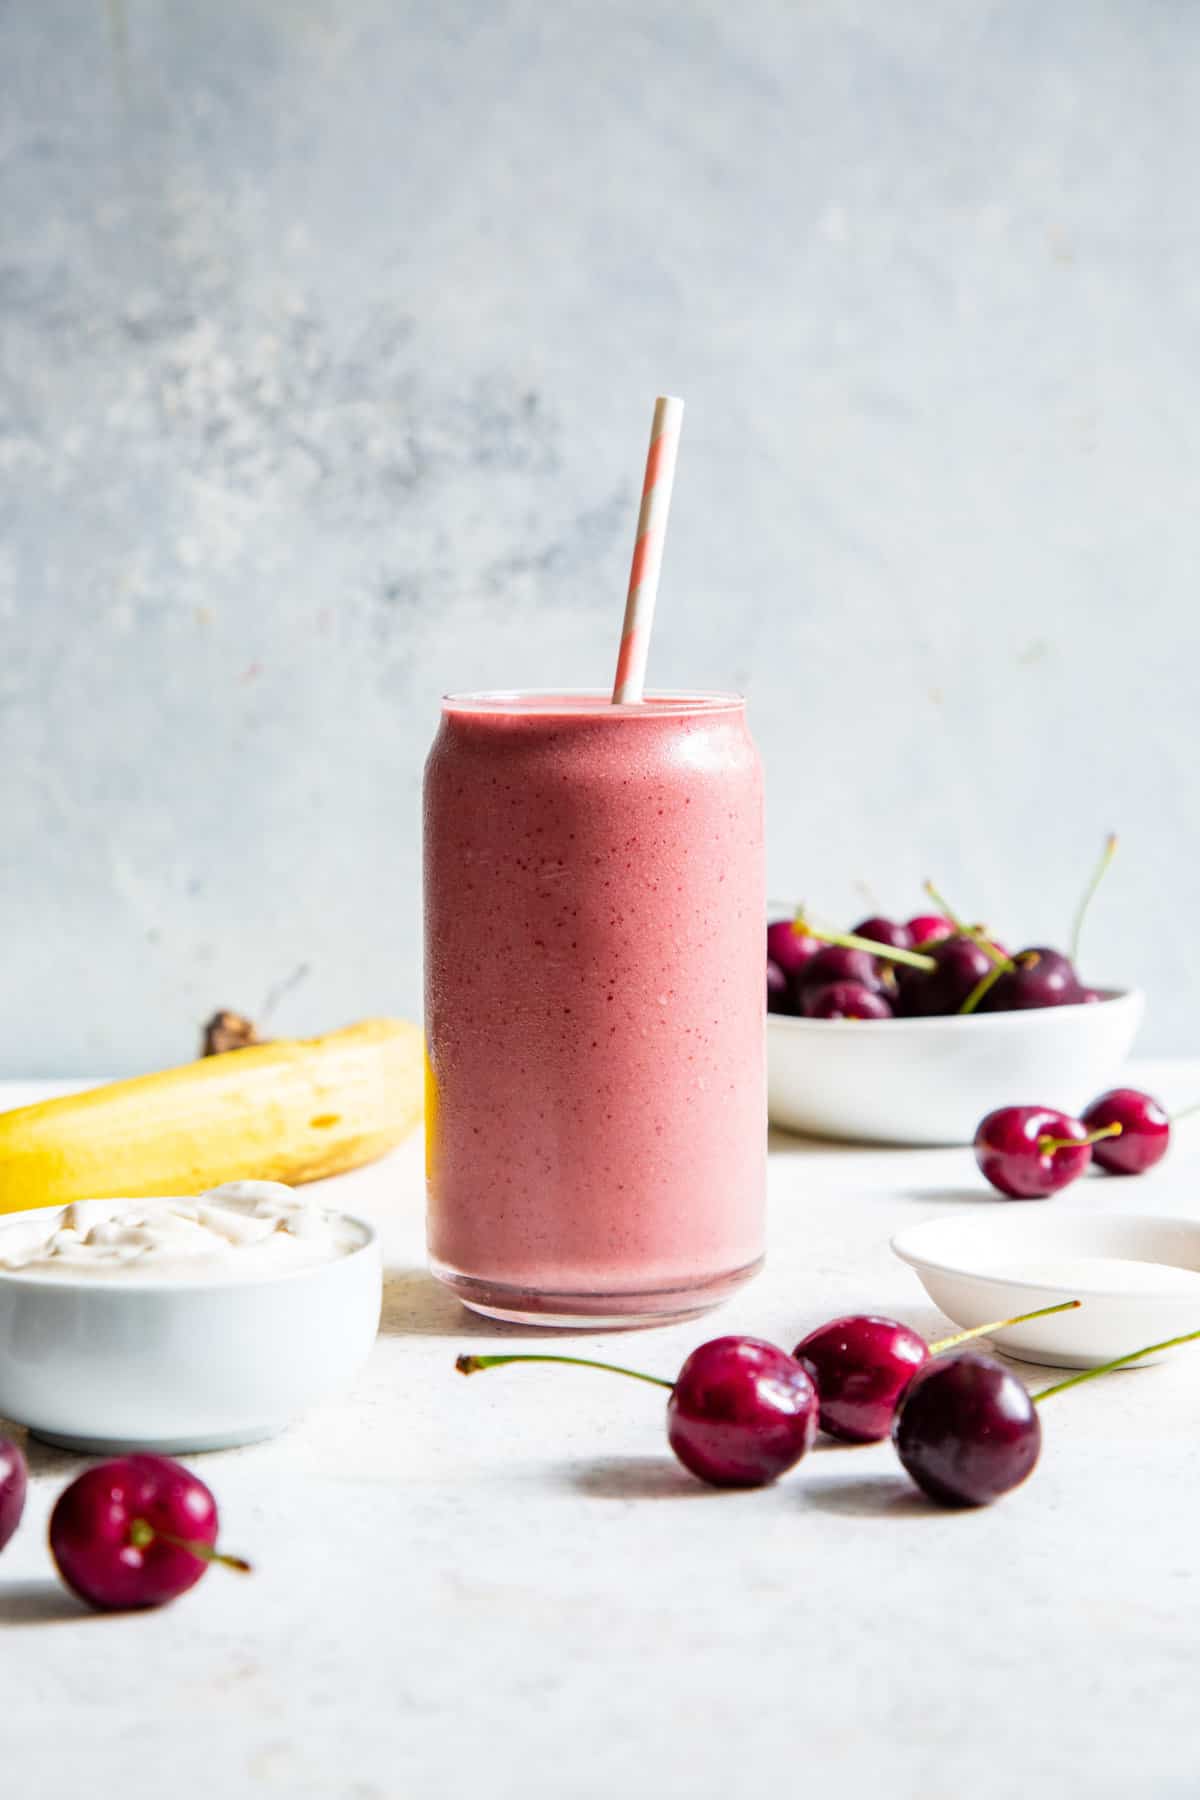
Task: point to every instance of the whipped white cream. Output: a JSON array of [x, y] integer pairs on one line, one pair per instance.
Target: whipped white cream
[[245, 1229]]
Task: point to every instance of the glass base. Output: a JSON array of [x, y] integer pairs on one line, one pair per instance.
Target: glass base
[[592, 1311]]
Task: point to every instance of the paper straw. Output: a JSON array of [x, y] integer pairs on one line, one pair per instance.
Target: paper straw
[[648, 550]]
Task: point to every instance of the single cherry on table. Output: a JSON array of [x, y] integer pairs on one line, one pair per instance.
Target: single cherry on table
[[1144, 1135], [861, 1364], [1029, 1152], [13, 1485], [967, 1430], [135, 1532], [741, 1411]]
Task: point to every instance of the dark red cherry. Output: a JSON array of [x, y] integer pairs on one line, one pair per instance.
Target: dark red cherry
[[779, 990], [1041, 977], [13, 1482], [860, 1365], [961, 966], [1028, 1152], [1144, 1136], [741, 1412], [135, 1532], [833, 962], [885, 931], [926, 928], [788, 947], [843, 1000], [966, 1430]]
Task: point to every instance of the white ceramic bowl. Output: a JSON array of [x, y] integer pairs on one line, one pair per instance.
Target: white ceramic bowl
[[1138, 1278], [930, 1081], [175, 1366]]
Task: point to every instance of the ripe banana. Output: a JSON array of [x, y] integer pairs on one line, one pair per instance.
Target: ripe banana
[[290, 1110]]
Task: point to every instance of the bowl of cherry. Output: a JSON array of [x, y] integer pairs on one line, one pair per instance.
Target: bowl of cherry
[[907, 1032]]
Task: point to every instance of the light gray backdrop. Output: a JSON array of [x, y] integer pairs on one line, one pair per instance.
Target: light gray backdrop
[[329, 335]]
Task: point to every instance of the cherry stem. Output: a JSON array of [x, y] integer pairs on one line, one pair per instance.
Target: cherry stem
[[142, 1534], [850, 940], [470, 1365], [1186, 1113], [1118, 1362], [977, 1331], [1098, 874], [1048, 1145], [985, 984], [976, 933], [943, 905]]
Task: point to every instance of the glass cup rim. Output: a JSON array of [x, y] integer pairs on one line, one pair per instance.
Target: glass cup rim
[[595, 702]]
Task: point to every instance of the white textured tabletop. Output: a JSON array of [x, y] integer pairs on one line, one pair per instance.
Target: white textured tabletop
[[508, 1585]]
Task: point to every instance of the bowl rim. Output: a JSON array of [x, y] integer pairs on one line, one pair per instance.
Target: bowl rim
[[92, 1284], [938, 1267], [1131, 997]]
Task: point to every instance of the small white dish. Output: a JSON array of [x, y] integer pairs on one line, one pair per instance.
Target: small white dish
[[930, 1081], [174, 1366], [1138, 1278]]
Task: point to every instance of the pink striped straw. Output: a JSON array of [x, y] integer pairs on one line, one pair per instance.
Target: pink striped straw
[[648, 550]]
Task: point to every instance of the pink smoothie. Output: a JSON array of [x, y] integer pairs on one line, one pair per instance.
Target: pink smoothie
[[594, 1004]]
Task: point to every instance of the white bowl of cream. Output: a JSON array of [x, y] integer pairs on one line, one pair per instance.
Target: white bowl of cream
[[182, 1324]]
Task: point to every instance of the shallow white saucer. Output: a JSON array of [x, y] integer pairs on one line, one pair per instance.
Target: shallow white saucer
[[1138, 1278]]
